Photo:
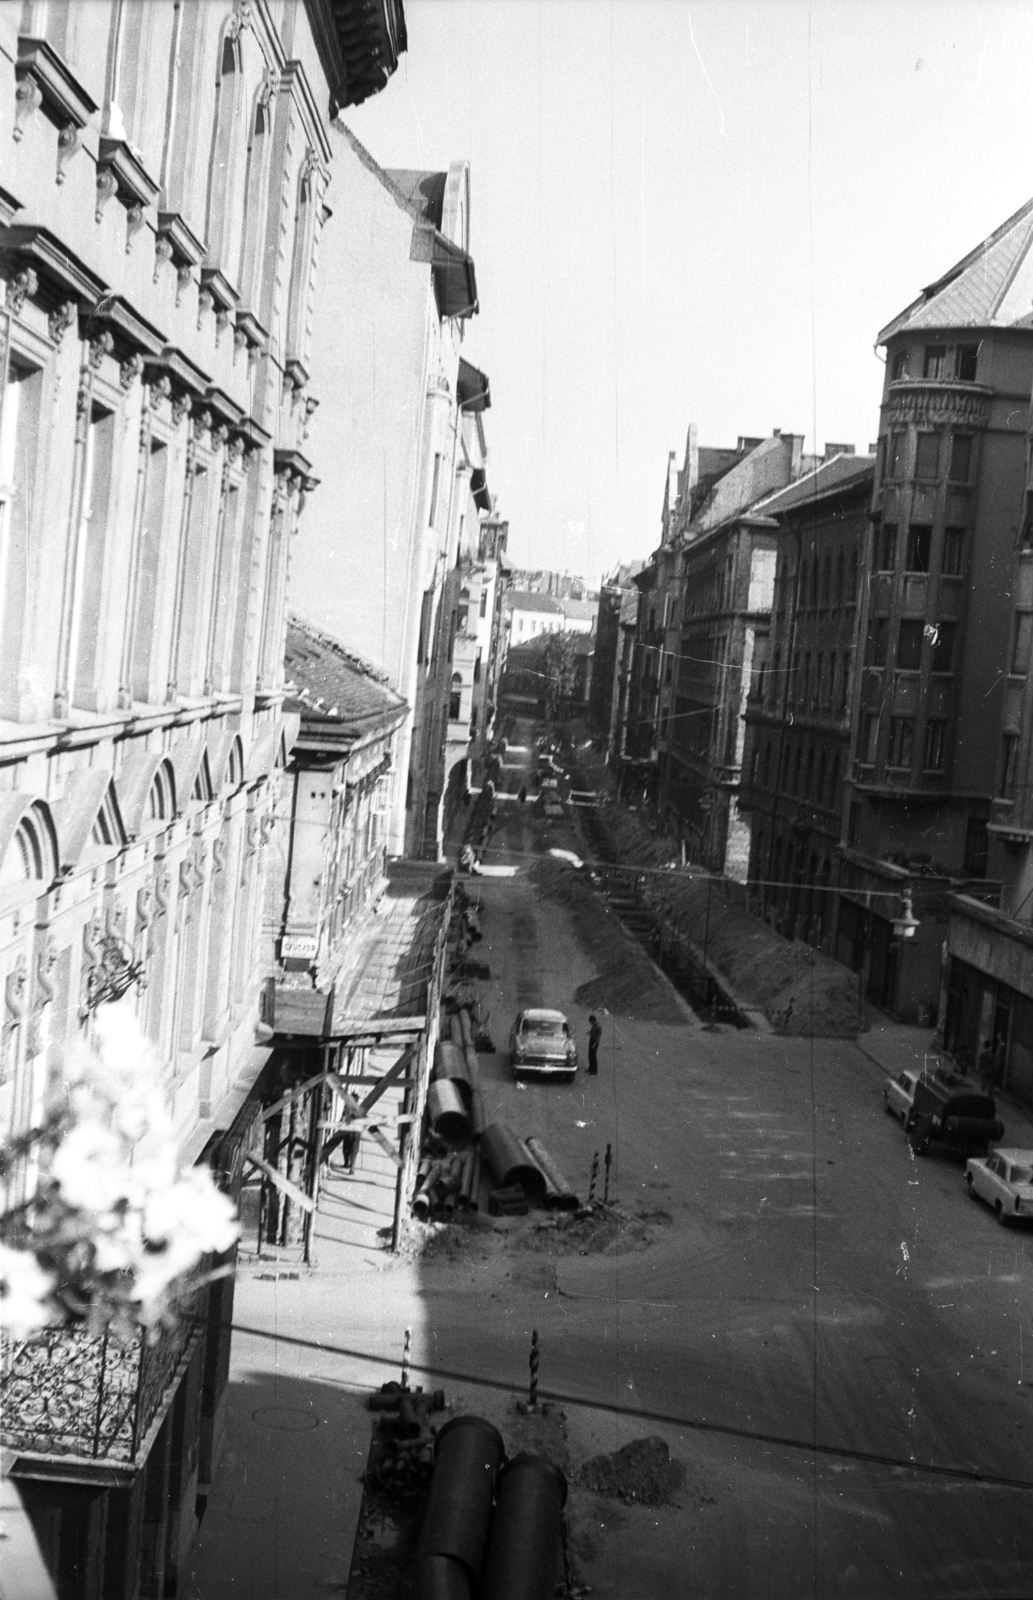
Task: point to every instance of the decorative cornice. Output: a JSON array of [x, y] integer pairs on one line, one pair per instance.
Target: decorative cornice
[[923, 401]]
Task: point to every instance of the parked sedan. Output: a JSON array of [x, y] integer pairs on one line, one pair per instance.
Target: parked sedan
[[541, 1042], [1004, 1179], [899, 1095]]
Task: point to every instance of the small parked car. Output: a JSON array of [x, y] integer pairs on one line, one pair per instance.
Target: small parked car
[[952, 1110], [540, 1041], [1004, 1179], [899, 1094]]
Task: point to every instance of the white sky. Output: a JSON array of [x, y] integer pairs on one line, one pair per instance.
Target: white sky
[[697, 212]]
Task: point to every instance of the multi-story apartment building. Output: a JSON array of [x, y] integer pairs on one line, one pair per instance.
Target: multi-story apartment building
[[941, 664], [373, 562], [987, 991], [728, 551], [646, 739], [797, 742], [490, 570], [162, 196]]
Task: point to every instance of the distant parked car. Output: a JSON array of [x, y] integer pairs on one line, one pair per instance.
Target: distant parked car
[[899, 1094], [1004, 1179], [952, 1110], [541, 1042]]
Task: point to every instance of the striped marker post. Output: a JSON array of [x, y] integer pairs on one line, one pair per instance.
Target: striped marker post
[[406, 1354], [606, 1179], [532, 1393], [594, 1179]]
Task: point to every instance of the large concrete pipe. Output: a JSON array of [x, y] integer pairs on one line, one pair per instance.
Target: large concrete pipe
[[467, 1455], [450, 1067], [559, 1196], [434, 1578], [510, 1163], [447, 1114], [523, 1552]]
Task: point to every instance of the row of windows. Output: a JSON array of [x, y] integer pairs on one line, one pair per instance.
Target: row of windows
[[928, 456], [918, 548], [820, 590], [900, 746], [804, 777], [939, 362], [911, 633]]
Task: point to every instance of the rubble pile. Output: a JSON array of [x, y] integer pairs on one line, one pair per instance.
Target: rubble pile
[[642, 1473]]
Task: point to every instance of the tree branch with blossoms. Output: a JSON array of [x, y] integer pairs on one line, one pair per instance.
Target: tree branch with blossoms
[[112, 1232]]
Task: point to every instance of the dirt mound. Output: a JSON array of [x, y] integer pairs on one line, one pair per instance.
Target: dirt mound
[[626, 982], [642, 1473]]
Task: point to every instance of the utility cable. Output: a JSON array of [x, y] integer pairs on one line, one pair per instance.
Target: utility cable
[[728, 1430]]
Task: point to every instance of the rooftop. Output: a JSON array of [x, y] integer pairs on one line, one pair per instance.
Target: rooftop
[[330, 686], [991, 287], [832, 477], [527, 600], [390, 960]]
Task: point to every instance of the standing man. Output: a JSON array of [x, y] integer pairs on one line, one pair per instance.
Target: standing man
[[595, 1034]]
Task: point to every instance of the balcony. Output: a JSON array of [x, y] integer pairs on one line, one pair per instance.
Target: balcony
[[69, 1396]]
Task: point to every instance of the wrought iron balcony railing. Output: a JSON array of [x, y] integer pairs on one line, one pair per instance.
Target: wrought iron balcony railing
[[65, 1393]]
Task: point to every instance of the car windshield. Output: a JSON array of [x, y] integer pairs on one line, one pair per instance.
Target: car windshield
[[1019, 1174], [544, 1027]]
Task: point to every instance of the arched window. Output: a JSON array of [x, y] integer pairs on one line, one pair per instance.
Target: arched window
[[253, 253], [826, 581], [796, 772], [455, 697], [804, 575], [767, 763], [23, 858], [235, 765], [839, 579], [809, 779], [820, 797], [307, 226], [229, 151], [31, 853], [160, 803], [834, 783]]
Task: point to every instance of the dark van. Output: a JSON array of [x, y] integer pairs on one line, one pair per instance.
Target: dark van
[[954, 1111]]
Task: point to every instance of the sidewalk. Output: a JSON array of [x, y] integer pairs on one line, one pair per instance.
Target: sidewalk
[[282, 1512]]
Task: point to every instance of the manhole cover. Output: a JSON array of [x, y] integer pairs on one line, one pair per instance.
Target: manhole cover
[[288, 1419]]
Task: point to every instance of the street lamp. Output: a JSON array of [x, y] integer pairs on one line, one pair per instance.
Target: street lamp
[[907, 924], [904, 927]]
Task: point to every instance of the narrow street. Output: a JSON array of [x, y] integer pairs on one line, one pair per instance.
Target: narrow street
[[808, 1281], [823, 1328]]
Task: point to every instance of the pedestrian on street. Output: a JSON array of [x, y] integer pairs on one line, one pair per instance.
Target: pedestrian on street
[[595, 1034]]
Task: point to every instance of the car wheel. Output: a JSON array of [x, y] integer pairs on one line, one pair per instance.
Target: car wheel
[[919, 1139], [970, 1186], [1002, 1218], [886, 1106]]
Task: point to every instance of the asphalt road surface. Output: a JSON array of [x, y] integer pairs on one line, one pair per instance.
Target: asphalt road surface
[[827, 1331]]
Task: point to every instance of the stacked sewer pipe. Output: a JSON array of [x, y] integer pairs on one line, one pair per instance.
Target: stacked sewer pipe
[[449, 1181], [491, 1527]]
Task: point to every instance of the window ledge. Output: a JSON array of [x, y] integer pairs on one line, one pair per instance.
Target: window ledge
[[61, 92]]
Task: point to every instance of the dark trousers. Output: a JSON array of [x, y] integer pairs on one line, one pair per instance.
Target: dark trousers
[[593, 1058]]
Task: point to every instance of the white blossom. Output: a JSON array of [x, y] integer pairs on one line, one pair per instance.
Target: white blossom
[[25, 1290], [115, 1197]]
